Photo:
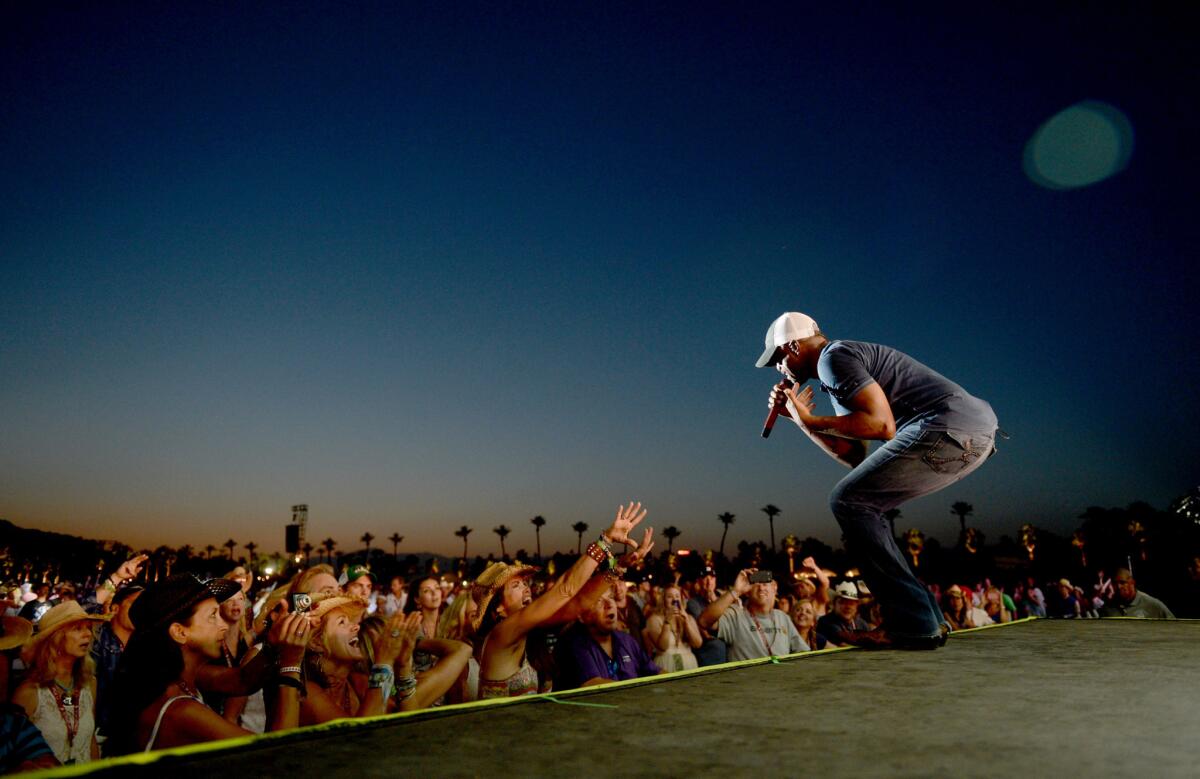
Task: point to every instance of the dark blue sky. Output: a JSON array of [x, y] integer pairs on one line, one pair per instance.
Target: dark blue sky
[[446, 264]]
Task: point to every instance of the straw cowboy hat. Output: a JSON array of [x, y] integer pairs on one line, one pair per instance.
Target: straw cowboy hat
[[64, 614], [320, 608], [492, 580], [14, 632]]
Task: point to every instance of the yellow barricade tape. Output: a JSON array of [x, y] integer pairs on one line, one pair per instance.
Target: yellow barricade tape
[[301, 733]]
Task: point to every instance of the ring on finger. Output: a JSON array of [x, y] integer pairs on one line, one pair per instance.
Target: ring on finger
[[395, 633]]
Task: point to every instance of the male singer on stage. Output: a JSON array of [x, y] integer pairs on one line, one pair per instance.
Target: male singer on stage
[[933, 432]]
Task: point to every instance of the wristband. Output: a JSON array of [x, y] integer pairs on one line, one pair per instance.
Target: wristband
[[287, 681], [605, 547], [291, 669], [381, 678], [108, 585], [597, 553]]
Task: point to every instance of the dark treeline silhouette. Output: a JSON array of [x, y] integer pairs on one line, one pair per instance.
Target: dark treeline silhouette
[[1157, 544]]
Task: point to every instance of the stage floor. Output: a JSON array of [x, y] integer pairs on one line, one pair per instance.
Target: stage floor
[[1040, 698]]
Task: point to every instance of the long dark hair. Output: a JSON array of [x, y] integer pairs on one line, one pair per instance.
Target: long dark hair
[[414, 594], [489, 619], [151, 661], [538, 649]]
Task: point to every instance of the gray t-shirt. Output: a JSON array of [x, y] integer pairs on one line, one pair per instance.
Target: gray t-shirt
[[916, 392], [740, 630], [1142, 605]]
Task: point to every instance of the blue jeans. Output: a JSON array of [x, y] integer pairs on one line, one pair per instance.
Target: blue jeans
[[914, 463]]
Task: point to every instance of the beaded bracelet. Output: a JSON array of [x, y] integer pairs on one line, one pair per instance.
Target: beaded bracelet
[[405, 687], [291, 669]]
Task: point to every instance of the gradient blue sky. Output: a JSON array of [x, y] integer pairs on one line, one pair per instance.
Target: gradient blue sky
[[427, 265]]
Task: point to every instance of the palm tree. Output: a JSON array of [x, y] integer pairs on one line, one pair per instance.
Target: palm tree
[[367, 538], [771, 511], [307, 549], [396, 538], [210, 549], [671, 533], [162, 562], [580, 528], [726, 520], [250, 547], [462, 533], [502, 531], [891, 515], [232, 545], [538, 523], [962, 511], [329, 544]]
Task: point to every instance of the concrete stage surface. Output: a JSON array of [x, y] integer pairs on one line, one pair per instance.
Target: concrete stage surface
[[1030, 699]]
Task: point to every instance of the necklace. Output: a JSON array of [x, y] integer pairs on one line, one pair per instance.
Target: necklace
[[67, 692], [62, 701], [189, 689]]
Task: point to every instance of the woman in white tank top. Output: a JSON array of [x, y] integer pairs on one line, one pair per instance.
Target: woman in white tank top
[[60, 693]]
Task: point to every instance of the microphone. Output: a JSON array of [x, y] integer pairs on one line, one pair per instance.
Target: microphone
[[770, 423]]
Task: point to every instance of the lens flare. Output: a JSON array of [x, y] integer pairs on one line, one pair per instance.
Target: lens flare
[[1081, 145]]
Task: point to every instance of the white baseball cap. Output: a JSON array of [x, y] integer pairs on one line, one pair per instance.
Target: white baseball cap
[[789, 327]]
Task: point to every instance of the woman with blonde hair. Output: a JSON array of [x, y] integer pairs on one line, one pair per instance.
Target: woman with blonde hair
[[994, 606], [804, 617], [59, 694], [671, 633], [337, 686], [353, 672], [456, 624]]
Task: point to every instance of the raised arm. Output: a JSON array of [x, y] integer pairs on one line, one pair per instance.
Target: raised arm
[[548, 604], [713, 611], [598, 585], [127, 571], [294, 635]]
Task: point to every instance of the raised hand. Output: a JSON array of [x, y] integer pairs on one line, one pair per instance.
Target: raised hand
[[741, 585], [635, 555], [628, 517], [398, 639], [290, 636], [802, 399], [131, 567]]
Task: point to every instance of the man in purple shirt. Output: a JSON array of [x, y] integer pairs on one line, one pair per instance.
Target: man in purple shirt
[[593, 651]]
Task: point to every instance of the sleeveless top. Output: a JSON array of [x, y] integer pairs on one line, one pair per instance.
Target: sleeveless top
[[158, 720], [677, 656], [50, 722], [523, 682]]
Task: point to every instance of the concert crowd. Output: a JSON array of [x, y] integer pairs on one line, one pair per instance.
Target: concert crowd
[[130, 662]]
